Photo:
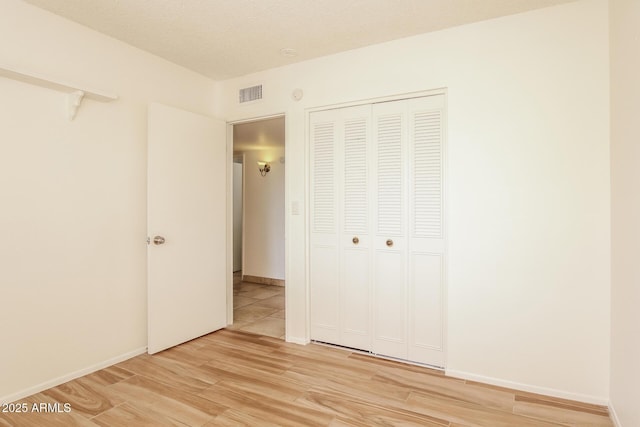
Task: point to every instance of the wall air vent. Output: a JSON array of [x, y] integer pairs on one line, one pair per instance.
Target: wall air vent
[[252, 93]]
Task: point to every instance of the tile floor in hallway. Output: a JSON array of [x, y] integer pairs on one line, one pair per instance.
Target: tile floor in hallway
[[258, 308]]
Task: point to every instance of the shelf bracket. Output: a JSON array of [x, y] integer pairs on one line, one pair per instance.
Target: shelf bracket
[[75, 93], [74, 99]]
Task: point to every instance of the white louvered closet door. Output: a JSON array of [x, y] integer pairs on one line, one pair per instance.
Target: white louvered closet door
[[355, 240], [390, 224], [409, 232], [324, 250], [340, 224], [377, 228], [426, 230]]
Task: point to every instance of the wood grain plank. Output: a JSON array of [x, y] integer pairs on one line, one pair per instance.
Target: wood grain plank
[[447, 387], [265, 407], [84, 395], [383, 363], [149, 392], [546, 412], [347, 407], [235, 418], [470, 414], [561, 403], [167, 372], [246, 379], [110, 375], [262, 362], [129, 414]]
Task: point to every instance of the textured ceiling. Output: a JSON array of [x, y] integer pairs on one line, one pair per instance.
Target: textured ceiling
[[259, 135], [229, 38]]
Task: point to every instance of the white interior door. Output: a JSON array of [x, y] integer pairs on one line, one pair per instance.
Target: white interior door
[[186, 190]]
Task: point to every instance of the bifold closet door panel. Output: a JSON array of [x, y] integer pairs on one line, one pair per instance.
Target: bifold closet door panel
[[426, 229], [340, 227], [324, 265], [389, 239], [355, 224]]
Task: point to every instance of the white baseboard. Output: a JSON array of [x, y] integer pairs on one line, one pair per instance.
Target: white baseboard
[[70, 376], [614, 416], [297, 340], [529, 388]]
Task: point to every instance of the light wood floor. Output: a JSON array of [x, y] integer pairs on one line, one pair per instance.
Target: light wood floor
[[232, 378]]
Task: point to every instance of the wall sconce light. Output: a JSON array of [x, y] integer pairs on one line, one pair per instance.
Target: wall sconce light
[[264, 167]]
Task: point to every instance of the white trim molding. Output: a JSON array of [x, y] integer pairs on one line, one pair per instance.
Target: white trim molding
[[595, 400], [297, 340], [614, 416]]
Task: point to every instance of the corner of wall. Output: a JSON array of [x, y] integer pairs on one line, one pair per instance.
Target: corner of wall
[[614, 416]]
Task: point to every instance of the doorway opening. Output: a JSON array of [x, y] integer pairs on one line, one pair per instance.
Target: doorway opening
[[259, 227]]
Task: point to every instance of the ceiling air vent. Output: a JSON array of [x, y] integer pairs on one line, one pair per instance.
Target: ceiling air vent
[[250, 93]]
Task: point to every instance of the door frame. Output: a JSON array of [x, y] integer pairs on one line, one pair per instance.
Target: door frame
[[241, 160], [230, 157]]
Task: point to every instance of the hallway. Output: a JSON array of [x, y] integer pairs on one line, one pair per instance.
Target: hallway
[[258, 308]]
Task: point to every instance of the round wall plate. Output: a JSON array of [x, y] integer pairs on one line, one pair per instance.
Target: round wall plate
[[296, 95]]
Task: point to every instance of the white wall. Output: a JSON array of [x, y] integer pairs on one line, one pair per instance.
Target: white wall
[[528, 185], [625, 201], [73, 196], [264, 237]]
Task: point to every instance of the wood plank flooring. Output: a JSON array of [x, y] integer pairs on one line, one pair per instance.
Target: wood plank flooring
[[235, 378]]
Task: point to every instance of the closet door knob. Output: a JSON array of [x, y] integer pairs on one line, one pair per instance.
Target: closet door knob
[[355, 240], [389, 242]]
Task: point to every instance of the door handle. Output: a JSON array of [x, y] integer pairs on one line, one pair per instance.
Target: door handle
[[158, 240], [389, 242], [355, 240]]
